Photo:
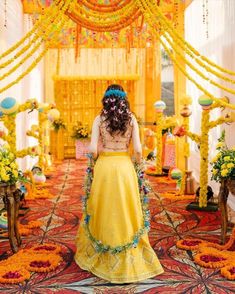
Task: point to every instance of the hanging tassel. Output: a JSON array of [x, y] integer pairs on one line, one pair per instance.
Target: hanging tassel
[[58, 62]]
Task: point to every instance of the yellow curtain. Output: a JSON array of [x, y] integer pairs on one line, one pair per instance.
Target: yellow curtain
[[80, 100]]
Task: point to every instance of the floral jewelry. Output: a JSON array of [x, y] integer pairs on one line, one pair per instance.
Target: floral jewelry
[[120, 94], [143, 190]]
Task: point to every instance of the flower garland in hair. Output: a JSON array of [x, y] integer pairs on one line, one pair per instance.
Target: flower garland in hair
[[143, 189], [120, 94]]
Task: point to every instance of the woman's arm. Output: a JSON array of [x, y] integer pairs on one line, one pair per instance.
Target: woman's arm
[[136, 140], [93, 147]]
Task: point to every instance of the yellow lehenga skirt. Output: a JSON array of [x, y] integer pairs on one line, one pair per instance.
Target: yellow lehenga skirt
[[115, 213]]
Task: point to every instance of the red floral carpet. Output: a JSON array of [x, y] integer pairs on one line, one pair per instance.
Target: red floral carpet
[[170, 222]]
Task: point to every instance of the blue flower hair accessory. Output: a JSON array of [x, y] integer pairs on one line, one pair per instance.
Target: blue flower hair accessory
[[118, 93]]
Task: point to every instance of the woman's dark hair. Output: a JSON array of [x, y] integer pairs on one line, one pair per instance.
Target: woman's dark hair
[[116, 110]]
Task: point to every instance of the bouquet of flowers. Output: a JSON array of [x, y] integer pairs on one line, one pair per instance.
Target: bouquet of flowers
[[58, 124], [80, 131], [9, 173], [223, 164]]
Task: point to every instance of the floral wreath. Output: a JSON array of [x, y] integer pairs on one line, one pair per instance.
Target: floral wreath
[[143, 189], [115, 92]]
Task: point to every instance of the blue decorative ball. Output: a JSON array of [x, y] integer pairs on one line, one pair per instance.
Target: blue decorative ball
[[8, 105], [160, 106]]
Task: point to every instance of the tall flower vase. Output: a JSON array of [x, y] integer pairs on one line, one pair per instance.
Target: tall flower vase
[[81, 148], [189, 184]]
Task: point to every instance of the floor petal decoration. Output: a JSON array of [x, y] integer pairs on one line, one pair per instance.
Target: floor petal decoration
[[170, 222]]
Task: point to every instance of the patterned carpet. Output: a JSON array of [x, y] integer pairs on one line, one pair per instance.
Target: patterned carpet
[[170, 222]]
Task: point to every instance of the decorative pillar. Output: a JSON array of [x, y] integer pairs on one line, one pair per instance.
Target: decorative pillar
[[152, 79], [179, 92]]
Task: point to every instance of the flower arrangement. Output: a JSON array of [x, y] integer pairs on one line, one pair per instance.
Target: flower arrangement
[[58, 124], [223, 164], [80, 131], [8, 167]]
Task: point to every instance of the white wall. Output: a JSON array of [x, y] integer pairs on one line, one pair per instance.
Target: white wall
[[31, 86], [219, 47]]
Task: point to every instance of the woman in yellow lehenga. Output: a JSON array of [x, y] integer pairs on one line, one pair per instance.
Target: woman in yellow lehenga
[[112, 240]]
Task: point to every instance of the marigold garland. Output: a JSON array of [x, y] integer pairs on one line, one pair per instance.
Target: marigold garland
[[56, 32], [16, 269], [13, 274], [144, 6], [113, 6], [189, 244], [177, 196], [37, 25], [212, 258], [212, 255], [44, 30], [228, 271], [176, 36], [116, 14], [43, 263], [46, 248]]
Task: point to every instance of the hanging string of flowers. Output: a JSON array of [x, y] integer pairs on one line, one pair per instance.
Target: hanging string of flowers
[[37, 25], [104, 27], [47, 45], [149, 18], [43, 32], [175, 35], [45, 35], [144, 190], [121, 12], [112, 6]]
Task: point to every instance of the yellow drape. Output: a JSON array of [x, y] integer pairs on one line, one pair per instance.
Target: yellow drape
[[80, 100]]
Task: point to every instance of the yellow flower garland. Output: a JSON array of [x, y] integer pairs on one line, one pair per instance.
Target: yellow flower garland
[[175, 35], [37, 25], [123, 12], [149, 18], [44, 31], [37, 60]]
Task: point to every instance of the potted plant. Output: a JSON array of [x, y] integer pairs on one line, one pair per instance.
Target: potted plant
[[81, 135], [9, 173], [223, 164]]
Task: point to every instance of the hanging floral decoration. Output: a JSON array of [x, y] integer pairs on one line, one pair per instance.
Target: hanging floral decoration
[[143, 189], [212, 255]]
